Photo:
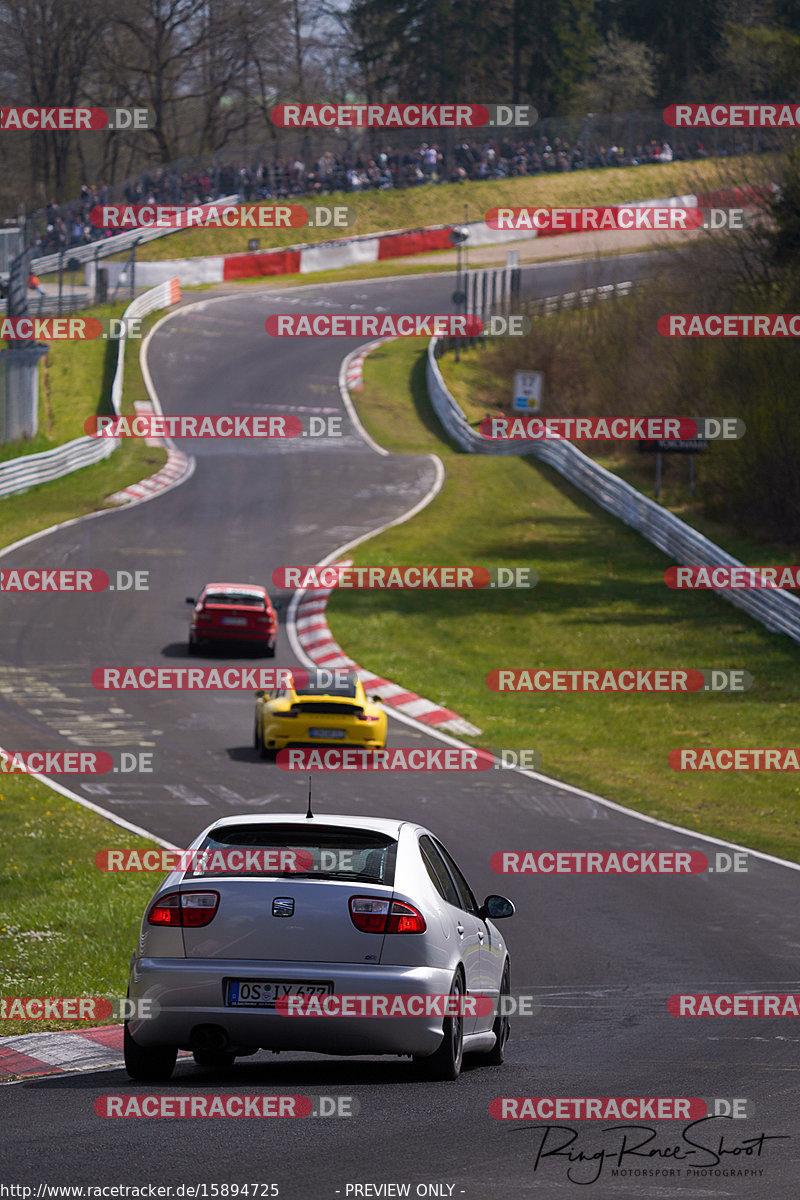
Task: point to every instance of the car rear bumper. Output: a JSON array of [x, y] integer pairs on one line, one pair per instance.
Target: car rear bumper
[[191, 992], [234, 635], [274, 742]]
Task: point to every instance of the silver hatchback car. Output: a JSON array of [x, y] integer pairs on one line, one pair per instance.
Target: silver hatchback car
[[298, 914]]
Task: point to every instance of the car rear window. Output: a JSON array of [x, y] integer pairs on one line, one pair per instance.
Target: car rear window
[[246, 599], [343, 689], [323, 852]]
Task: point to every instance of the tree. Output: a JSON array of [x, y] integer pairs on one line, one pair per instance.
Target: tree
[[623, 77], [45, 49]]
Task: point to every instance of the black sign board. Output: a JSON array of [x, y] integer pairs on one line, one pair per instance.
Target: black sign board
[[673, 446]]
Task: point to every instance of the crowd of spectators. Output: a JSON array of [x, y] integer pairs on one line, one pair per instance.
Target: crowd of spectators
[[427, 164]]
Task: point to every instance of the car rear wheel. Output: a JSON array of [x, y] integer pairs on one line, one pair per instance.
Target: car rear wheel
[[502, 1025], [192, 646], [258, 741], [149, 1064], [214, 1060], [446, 1062]]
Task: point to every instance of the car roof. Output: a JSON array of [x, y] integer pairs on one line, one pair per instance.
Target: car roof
[[253, 588], [389, 826]]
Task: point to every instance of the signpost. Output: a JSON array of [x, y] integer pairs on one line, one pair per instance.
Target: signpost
[[659, 446], [527, 392]]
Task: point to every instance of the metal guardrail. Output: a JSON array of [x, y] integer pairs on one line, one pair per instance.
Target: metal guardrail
[[116, 244], [50, 306], [20, 474], [776, 609]]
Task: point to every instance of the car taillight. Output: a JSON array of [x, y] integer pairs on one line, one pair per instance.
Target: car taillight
[[366, 717], [198, 908], [166, 910], [385, 916], [184, 908]]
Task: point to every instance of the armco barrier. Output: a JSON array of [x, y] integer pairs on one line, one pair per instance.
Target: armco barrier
[[20, 474], [777, 610], [305, 258], [116, 244]]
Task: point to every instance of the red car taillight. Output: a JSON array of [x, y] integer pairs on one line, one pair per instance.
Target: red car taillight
[[385, 916], [362, 716], [184, 908]]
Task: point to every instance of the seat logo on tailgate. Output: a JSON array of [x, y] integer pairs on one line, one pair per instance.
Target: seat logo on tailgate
[[282, 906]]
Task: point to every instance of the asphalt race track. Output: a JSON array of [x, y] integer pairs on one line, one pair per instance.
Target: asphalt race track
[[601, 954]]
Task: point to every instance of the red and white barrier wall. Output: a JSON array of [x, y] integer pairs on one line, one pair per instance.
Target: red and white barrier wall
[[370, 248]]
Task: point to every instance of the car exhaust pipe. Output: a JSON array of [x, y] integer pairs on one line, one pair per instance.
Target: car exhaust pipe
[[209, 1037]]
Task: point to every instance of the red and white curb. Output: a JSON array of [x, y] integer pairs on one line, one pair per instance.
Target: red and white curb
[[307, 258], [354, 378], [30, 1054], [176, 469], [318, 643]]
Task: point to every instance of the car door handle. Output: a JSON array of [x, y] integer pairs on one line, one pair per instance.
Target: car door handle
[[460, 929], [480, 935]]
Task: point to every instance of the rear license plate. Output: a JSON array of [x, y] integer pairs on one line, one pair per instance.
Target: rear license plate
[[257, 993], [234, 620], [326, 733]]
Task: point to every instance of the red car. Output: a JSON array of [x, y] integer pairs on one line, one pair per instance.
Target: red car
[[240, 613]]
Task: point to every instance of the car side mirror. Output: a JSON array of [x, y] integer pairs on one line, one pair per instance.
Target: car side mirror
[[190, 600], [497, 907], [376, 700], [260, 694]]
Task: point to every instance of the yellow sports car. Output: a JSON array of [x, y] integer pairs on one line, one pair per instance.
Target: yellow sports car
[[330, 714]]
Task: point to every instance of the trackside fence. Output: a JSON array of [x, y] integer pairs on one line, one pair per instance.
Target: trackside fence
[[20, 474], [776, 609]]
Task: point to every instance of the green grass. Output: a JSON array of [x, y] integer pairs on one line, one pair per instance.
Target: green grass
[[442, 204], [79, 386], [480, 391], [600, 601], [66, 928], [74, 379]]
